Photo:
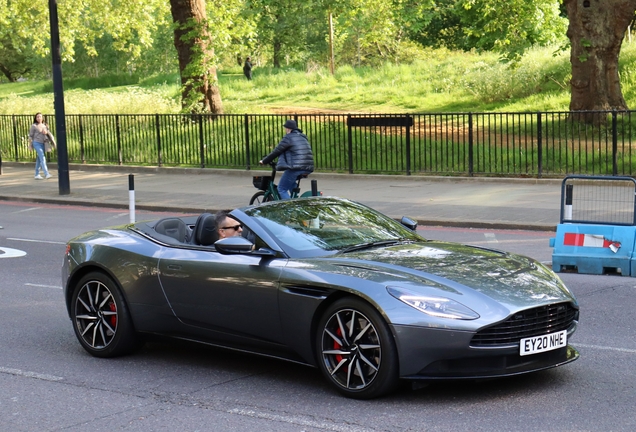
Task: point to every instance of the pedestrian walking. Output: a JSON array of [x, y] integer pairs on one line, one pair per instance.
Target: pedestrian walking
[[295, 158], [39, 134], [247, 68]]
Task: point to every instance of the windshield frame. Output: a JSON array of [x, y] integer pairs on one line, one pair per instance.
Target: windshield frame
[[312, 227]]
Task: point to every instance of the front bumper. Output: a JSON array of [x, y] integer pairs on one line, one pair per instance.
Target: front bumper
[[437, 354]]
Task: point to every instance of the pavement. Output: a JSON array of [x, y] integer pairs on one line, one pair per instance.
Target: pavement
[[497, 203]]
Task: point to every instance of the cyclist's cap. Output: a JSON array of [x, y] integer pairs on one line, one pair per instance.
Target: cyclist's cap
[[291, 124]]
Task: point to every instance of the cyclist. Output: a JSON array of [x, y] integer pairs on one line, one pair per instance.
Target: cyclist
[[295, 158]]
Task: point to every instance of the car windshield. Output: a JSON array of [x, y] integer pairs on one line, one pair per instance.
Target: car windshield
[[313, 227]]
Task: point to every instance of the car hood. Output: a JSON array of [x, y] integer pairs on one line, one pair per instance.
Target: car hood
[[455, 268]]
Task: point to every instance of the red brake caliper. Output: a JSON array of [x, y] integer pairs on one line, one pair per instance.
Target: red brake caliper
[[113, 318], [336, 345]]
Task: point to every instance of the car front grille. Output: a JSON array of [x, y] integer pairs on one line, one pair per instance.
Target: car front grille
[[527, 323]]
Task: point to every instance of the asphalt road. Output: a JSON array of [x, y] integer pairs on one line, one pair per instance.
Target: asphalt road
[[49, 383]]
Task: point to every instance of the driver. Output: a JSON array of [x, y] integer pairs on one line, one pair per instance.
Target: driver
[[227, 226]]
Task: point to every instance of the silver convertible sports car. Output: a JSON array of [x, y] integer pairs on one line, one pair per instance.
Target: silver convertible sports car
[[326, 282]]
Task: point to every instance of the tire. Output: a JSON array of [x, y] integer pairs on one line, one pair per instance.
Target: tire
[[100, 317], [356, 351], [259, 198]]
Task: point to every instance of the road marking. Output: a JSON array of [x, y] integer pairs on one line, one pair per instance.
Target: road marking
[[11, 253], [540, 240], [117, 216], [605, 348], [490, 238], [28, 209], [297, 420], [35, 241], [43, 286], [27, 374]]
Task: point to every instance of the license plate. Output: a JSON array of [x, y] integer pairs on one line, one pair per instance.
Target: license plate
[[547, 342]]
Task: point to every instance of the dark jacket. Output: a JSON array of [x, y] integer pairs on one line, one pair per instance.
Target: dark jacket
[[293, 152]]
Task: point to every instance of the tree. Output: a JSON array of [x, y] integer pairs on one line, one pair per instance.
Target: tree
[[24, 25], [596, 33], [283, 25], [510, 26], [596, 30], [13, 62], [200, 90]]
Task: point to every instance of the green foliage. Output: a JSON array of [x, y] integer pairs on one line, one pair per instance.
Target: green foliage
[[435, 80]]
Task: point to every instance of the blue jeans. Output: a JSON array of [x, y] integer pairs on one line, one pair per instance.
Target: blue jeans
[[287, 182], [40, 159]]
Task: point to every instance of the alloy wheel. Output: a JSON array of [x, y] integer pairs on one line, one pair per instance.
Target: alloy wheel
[[96, 314], [351, 349]]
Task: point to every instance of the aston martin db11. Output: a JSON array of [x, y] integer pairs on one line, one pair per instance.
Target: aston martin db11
[[326, 282]]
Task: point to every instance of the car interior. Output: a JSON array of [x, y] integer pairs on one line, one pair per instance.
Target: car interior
[[189, 230]]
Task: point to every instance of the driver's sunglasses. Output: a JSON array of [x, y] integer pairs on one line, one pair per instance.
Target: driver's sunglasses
[[235, 227]]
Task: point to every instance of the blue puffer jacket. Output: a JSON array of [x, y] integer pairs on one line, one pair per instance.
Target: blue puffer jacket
[[293, 152]]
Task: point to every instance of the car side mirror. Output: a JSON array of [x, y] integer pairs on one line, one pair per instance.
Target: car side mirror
[[409, 223], [239, 245]]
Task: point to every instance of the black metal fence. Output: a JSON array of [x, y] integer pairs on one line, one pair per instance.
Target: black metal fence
[[542, 144]]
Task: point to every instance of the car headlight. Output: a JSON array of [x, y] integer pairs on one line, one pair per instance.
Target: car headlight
[[434, 306]]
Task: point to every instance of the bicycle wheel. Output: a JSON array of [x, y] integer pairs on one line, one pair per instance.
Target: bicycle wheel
[[261, 197]]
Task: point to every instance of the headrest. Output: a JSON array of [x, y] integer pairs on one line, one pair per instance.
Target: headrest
[[172, 227], [205, 230]]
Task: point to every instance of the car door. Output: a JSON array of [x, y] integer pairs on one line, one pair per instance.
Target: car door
[[235, 294]]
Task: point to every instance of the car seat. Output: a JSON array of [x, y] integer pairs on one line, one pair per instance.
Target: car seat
[[205, 233], [173, 227]]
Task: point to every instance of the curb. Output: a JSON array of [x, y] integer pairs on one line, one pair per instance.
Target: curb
[[197, 210], [136, 169]]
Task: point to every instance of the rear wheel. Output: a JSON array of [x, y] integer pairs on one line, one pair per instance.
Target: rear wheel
[[261, 197], [356, 351], [100, 317]]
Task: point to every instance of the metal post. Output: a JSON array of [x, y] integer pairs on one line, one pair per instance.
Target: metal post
[[247, 143], [350, 143], [158, 131], [471, 155], [569, 195], [131, 196], [614, 143], [58, 102], [408, 145], [539, 145], [201, 142], [15, 138], [314, 188], [120, 157]]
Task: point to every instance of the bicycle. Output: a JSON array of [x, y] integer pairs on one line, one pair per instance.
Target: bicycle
[[268, 190]]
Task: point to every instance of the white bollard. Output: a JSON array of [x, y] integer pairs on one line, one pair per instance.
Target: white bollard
[[569, 195], [131, 197]]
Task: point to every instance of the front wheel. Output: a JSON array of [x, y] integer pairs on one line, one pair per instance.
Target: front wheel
[[356, 351], [261, 197], [100, 317]]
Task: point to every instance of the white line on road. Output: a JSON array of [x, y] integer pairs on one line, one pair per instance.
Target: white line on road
[[35, 241], [43, 286], [605, 348], [297, 420], [11, 253], [117, 216], [28, 209], [28, 374], [490, 238]]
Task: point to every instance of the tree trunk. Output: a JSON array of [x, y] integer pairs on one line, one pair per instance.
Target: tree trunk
[[277, 53], [596, 32], [8, 74], [200, 91]]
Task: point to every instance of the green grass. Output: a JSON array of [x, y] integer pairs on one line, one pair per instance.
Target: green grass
[[443, 81]]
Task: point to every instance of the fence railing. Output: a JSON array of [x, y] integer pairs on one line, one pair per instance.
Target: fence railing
[[550, 144]]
